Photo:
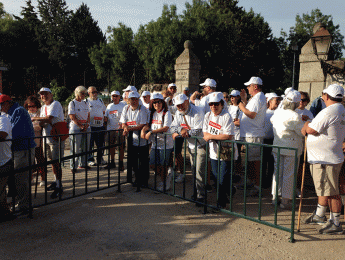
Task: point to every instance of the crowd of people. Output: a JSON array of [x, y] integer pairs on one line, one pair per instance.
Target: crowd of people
[[158, 124]]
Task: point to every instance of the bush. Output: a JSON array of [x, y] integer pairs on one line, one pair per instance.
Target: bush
[[61, 94]]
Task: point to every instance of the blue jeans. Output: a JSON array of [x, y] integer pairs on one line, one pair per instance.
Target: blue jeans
[[78, 144], [157, 156]]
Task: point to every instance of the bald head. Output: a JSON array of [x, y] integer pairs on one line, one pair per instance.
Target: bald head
[[92, 91]]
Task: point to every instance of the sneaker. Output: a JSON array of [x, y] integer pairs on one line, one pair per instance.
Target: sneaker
[[57, 193], [286, 206], [315, 219], [52, 186], [241, 186], [111, 165], [168, 180], [42, 183], [92, 163], [179, 178], [331, 229], [298, 193], [84, 167], [160, 186], [103, 162], [208, 188]]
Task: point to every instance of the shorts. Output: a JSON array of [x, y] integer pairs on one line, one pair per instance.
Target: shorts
[[157, 156], [114, 137], [326, 178], [54, 148], [253, 150]]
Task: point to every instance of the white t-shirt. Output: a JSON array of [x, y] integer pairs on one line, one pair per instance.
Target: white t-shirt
[[216, 125], [305, 112], [80, 110], [235, 112], [157, 122], [254, 127], [5, 147], [113, 113], [55, 110], [268, 125], [204, 103], [134, 118], [97, 109], [326, 148]]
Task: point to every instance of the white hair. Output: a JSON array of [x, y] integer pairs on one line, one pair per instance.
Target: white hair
[[78, 90]]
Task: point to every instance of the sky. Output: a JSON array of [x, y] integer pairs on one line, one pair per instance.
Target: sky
[[280, 14]]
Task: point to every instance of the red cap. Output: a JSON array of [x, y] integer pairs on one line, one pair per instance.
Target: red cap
[[4, 98]]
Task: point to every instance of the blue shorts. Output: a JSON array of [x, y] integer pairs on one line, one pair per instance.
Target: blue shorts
[[157, 156]]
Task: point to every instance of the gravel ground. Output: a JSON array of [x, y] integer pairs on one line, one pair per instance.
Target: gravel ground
[[147, 225]]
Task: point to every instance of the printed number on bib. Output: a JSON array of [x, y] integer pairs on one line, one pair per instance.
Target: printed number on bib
[[156, 124], [131, 124], [114, 113], [214, 128], [98, 120]]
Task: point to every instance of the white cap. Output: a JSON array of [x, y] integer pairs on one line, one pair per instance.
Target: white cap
[[293, 96], [130, 88], [235, 93], [45, 90], [172, 85], [115, 92], [254, 80], [133, 94], [157, 96], [146, 93], [334, 90], [288, 90], [215, 97], [271, 95], [180, 99], [209, 82]]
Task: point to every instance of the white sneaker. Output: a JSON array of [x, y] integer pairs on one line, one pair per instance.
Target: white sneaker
[[42, 183], [179, 178], [91, 163], [168, 180]]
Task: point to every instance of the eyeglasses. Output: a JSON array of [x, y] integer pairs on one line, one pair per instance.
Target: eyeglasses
[[93, 92], [31, 106], [304, 100], [214, 104], [156, 102], [82, 93]]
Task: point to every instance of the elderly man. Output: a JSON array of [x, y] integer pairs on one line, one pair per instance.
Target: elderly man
[[133, 118], [145, 98], [172, 89], [252, 126], [51, 113], [127, 91], [326, 134], [97, 110], [209, 87], [188, 122], [23, 147]]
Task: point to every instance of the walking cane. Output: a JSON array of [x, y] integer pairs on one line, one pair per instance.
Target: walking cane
[[302, 184]]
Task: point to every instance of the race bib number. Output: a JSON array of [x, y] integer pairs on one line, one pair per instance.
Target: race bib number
[[184, 126], [156, 124], [131, 124], [114, 113], [214, 128], [98, 121]]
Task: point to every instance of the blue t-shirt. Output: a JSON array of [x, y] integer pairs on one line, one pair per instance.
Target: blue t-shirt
[[22, 129]]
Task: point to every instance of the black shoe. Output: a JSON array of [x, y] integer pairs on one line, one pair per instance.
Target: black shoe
[[199, 201], [21, 212], [221, 204], [52, 186], [57, 193], [111, 165], [7, 217], [236, 178], [208, 188]]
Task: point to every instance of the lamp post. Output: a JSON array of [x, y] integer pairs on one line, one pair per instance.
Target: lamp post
[[321, 41], [295, 49]]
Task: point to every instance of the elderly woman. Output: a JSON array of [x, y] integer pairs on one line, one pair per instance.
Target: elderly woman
[[219, 126], [287, 125], [33, 105], [78, 112], [159, 123]]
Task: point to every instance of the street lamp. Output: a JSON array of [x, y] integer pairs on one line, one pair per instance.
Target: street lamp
[[321, 41], [295, 49]]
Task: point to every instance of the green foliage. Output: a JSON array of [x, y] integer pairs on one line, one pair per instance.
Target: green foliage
[[61, 93]]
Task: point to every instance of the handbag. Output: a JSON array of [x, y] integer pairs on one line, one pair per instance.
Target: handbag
[[59, 128]]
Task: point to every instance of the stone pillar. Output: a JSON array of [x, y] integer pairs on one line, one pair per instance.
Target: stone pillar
[[312, 77], [187, 69]]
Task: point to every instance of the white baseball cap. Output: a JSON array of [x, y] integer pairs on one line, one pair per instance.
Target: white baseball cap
[[171, 85], [215, 97], [133, 94], [146, 93], [288, 90], [180, 99], [293, 96], [254, 80], [45, 90], [115, 92], [130, 88], [235, 93], [157, 96], [271, 95], [209, 82], [334, 90]]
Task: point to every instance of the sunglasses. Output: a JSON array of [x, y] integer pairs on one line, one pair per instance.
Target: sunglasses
[[214, 104], [304, 100], [156, 102]]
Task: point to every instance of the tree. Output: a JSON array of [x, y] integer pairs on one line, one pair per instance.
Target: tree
[[116, 59]]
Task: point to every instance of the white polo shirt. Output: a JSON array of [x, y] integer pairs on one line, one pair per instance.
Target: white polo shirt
[[55, 110], [97, 109], [80, 110], [113, 113], [326, 148]]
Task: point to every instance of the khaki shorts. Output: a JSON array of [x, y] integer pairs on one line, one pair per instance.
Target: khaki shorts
[[114, 138], [326, 178], [253, 150]]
